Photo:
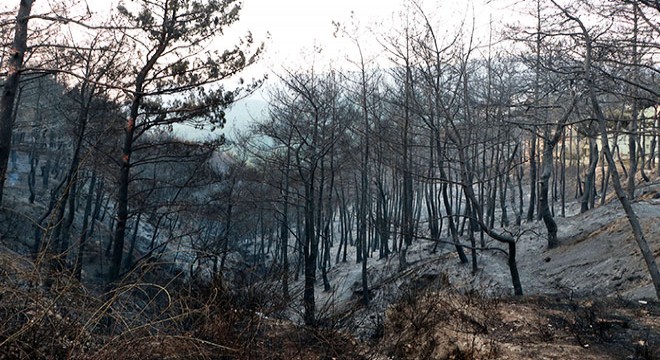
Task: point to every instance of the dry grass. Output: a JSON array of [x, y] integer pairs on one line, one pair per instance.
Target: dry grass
[[147, 320], [450, 325]]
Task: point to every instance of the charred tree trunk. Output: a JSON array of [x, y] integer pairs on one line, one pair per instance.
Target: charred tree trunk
[[122, 195], [310, 250], [588, 196], [284, 228], [453, 230], [10, 87], [532, 179], [85, 232], [546, 170]]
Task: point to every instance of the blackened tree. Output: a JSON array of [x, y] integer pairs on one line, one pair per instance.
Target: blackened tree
[[177, 77]]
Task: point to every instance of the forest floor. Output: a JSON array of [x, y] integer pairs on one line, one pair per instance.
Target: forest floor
[[589, 298]]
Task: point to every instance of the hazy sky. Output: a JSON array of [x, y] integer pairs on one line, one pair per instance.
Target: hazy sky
[[296, 23], [296, 26]]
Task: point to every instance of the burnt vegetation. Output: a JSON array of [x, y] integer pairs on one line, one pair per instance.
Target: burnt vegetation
[[442, 191]]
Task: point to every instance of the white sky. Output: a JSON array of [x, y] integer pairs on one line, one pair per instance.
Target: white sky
[[295, 25]]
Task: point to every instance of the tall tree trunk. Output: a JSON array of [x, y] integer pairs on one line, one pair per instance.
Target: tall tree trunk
[[633, 129], [533, 174], [122, 195], [532, 179], [519, 176], [578, 156], [284, 228], [343, 224], [655, 130], [319, 227], [32, 175], [589, 195], [383, 222], [504, 187], [472, 214], [408, 226], [10, 87], [549, 144], [310, 249], [70, 190], [656, 135], [125, 161], [562, 173], [84, 232]]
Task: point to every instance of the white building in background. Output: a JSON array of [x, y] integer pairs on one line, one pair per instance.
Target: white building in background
[[648, 127]]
